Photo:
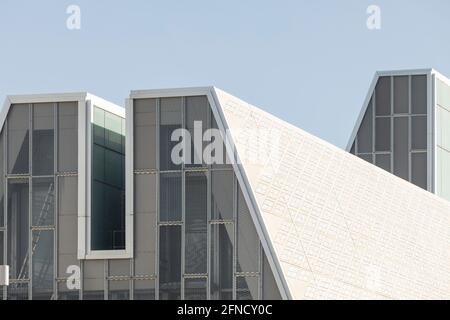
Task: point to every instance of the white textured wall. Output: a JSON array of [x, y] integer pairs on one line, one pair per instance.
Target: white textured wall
[[342, 228]]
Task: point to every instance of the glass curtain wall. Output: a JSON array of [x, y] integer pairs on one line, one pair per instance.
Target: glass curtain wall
[[30, 141], [393, 132], [204, 244]]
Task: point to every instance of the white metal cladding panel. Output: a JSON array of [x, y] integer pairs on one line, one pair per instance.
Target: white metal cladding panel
[[341, 228]]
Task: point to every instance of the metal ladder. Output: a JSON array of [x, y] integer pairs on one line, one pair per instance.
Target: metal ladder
[[35, 241]]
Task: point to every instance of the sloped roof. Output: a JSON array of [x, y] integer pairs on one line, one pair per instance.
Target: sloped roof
[[336, 226]]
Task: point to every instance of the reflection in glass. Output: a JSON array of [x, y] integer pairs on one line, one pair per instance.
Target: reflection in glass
[[108, 185]]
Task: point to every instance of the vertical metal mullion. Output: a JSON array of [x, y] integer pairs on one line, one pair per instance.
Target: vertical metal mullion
[[131, 283], [260, 271], [374, 150], [30, 202], [81, 264], [392, 124], [208, 235], [234, 242], [5, 202], [105, 279], [409, 130], [158, 166], [183, 201], [55, 202]]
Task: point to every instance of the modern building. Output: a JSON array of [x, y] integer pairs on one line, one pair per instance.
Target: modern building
[[216, 199], [403, 125]]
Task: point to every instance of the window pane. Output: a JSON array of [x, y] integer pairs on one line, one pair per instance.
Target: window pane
[[170, 262], [67, 232], [220, 156], [94, 280], [383, 134], [401, 148], [43, 262], [144, 133], [270, 289], [247, 288], [108, 218], [43, 138], [365, 133], [67, 136], [119, 290], [18, 140], [17, 291], [222, 261], [145, 223], [43, 202], [196, 223], [113, 132], [366, 157], [401, 94], [352, 149], [2, 181], [383, 161], [197, 110], [144, 290], [247, 239], [119, 268], [419, 169], [108, 185], [170, 197], [222, 194], [65, 293], [18, 228], [383, 96], [419, 94], [1, 248], [195, 289], [170, 121], [419, 133]]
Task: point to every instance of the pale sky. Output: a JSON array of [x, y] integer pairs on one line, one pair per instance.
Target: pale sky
[[307, 62]]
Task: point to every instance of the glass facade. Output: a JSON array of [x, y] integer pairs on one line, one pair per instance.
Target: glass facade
[[204, 244], [36, 197], [194, 237], [393, 132], [108, 182]]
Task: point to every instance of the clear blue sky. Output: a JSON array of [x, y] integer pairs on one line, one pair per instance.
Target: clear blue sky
[[308, 62]]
